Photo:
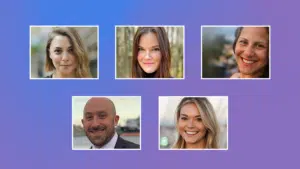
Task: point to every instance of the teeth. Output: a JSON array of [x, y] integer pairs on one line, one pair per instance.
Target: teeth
[[191, 132], [248, 61]]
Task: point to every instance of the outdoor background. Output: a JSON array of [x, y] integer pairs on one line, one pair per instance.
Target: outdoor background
[[37, 114], [128, 109], [124, 49], [167, 117], [39, 38], [218, 59]]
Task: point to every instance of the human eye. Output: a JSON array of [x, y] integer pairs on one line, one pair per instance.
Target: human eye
[[140, 49], [102, 115], [57, 51], [243, 42], [183, 118], [199, 119], [89, 117], [156, 49], [260, 46], [70, 50]]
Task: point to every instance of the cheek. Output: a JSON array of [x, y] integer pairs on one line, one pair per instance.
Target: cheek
[[55, 58], [140, 57], [263, 56], [180, 126], [72, 58], [86, 126], [201, 127], [157, 57], [238, 51]]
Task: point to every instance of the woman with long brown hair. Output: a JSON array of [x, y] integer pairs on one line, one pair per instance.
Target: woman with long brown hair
[[151, 53]]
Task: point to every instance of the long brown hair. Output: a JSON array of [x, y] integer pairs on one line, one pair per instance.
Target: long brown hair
[[163, 70], [237, 34], [83, 70], [208, 116]]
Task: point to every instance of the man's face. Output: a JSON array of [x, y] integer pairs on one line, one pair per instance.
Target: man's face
[[99, 120]]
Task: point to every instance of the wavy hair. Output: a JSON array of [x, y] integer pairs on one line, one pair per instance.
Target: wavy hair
[[208, 117], [82, 70]]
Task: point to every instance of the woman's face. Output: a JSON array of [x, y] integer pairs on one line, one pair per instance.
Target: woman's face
[[251, 51], [190, 125], [61, 53], [149, 55]]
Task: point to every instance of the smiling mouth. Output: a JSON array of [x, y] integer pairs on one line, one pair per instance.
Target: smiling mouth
[[191, 132], [248, 61]]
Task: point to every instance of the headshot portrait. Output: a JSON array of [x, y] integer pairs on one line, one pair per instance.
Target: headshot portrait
[[63, 52], [236, 52], [193, 122], [106, 123], [149, 52]]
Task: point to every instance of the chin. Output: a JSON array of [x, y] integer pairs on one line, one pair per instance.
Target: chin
[[149, 71]]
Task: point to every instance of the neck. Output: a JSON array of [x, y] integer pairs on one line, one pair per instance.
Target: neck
[[199, 145], [149, 75], [60, 75], [256, 75]]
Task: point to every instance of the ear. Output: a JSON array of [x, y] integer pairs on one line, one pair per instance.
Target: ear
[[116, 120], [82, 121]]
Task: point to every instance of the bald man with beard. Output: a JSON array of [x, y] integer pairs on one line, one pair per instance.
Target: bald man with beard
[[99, 121]]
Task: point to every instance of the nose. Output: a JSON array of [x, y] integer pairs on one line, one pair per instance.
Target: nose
[[65, 56], [190, 123], [248, 52], [95, 123], [147, 55]]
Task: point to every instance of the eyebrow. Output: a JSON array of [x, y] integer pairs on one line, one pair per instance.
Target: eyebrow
[[256, 41], [187, 115], [151, 47], [58, 47]]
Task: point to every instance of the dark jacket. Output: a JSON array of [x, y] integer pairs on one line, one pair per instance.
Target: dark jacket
[[124, 144]]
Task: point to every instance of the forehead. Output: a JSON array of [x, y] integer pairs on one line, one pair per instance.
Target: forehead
[[258, 33], [148, 40], [60, 41], [98, 105], [190, 109]]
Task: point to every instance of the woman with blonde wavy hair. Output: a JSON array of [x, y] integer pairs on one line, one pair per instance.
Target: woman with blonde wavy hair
[[66, 55], [196, 124]]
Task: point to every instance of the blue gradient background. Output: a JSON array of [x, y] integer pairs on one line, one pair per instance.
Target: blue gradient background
[[36, 115]]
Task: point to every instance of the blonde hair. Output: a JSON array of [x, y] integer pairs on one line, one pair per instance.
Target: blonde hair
[[208, 116], [82, 70]]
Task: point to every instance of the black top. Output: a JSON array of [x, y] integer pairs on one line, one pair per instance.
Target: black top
[[50, 76]]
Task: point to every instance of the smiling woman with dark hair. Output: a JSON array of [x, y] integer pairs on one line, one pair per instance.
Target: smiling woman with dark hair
[[66, 55], [151, 53], [251, 48]]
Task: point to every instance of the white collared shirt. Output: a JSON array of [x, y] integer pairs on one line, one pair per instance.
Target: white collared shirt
[[110, 145]]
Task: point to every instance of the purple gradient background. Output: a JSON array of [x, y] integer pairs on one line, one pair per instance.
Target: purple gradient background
[[36, 115]]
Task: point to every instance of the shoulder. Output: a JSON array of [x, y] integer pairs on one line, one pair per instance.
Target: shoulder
[[122, 143]]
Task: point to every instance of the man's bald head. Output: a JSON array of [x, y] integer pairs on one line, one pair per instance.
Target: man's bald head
[[99, 120], [96, 104]]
